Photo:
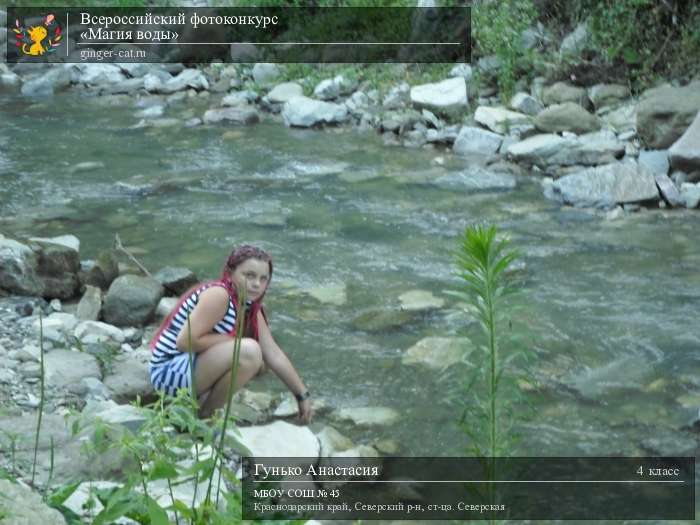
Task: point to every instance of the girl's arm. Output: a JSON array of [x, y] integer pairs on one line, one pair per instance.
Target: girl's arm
[[210, 309], [280, 364]]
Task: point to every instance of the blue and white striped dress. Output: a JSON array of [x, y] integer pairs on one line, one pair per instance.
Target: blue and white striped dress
[[169, 367]]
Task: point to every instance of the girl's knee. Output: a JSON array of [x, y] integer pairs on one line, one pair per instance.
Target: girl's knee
[[251, 352]]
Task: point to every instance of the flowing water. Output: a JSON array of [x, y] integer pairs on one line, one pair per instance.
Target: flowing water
[[607, 307]]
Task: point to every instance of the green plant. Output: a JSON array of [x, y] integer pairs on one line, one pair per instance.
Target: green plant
[[491, 389], [496, 30], [41, 391]]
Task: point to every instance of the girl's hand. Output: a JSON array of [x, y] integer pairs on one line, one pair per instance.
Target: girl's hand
[[305, 411]]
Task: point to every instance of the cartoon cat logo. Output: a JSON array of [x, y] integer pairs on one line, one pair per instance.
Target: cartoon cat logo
[[37, 40]]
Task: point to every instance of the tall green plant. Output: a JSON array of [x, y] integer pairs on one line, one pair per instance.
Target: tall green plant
[[483, 262]]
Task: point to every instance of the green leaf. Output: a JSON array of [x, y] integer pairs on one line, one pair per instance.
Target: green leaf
[[162, 469], [57, 497], [157, 515]]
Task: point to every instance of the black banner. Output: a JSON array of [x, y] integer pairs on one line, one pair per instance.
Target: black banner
[[250, 34], [469, 488]]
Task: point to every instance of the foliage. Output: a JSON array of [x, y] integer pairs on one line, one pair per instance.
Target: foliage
[[496, 30]]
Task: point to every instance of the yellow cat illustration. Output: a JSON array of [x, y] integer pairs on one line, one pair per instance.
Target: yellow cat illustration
[[36, 34]]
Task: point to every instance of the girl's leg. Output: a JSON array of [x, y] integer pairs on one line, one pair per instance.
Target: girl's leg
[[213, 372]]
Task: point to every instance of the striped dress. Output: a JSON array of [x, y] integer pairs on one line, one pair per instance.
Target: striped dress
[[169, 367]]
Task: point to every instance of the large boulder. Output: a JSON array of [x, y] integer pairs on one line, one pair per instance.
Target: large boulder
[[19, 505], [281, 93], [264, 73], [48, 82], [59, 264], [279, 439], [98, 74], [539, 149], [306, 112], [591, 149], [665, 113], [242, 114], [448, 97], [525, 104], [566, 117], [129, 379], [620, 182], [606, 94], [685, 152], [132, 300], [18, 268], [476, 140], [437, 352]]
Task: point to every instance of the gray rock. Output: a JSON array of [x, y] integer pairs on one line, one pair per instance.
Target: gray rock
[[525, 104], [90, 304], [279, 439], [281, 93], [20, 506], [561, 92], [65, 369], [128, 379], [566, 117], [332, 441], [151, 112], [397, 97], [539, 149], [448, 98], [94, 388], [606, 94], [176, 280], [45, 85], [437, 352], [622, 119], [476, 140], [58, 255], [400, 121], [691, 194], [18, 268], [368, 416], [475, 178], [621, 182], [132, 300], [685, 152], [656, 161], [501, 120], [264, 73], [664, 114], [96, 331], [306, 112], [187, 79], [239, 98], [95, 74], [165, 306], [668, 190], [462, 70], [489, 65], [420, 301], [245, 115], [575, 42], [102, 271]]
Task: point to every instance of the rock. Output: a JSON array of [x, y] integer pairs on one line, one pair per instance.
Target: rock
[[591, 149], [668, 190], [281, 93], [95, 74], [306, 112], [656, 161], [151, 112], [129, 379], [368, 416], [18, 268], [539, 149], [58, 322], [500, 120], [330, 89], [605, 94], [132, 300], [332, 441], [621, 182], [437, 352], [400, 121], [84, 501], [685, 152], [397, 97], [240, 98], [420, 301], [128, 416], [176, 280], [664, 114], [279, 439], [448, 98], [189, 78], [335, 294], [245, 115], [265, 73], [462, 70], [383, 320], [566, 117], [20, 506], [525, 104], [670, 443], [90, 304], [93, 388], [561, 92], [66, 368], [165, 306], [58, 256], [102, 272], [622, 119], [260, 401], [690, 193], [476, 140], [46, 84], [575, 42]]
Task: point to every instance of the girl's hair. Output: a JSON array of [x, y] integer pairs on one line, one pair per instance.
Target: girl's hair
[[238, 256]]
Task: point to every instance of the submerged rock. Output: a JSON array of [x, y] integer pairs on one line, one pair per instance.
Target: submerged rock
[[420, 300], [368, 416], [437, 352]]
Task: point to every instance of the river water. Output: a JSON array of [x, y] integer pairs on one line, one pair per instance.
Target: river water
[[607, 307]]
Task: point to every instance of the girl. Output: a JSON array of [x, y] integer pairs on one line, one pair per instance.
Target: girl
[[212, 311]]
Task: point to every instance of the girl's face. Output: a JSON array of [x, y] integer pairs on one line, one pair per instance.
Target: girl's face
[[252, 275]]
